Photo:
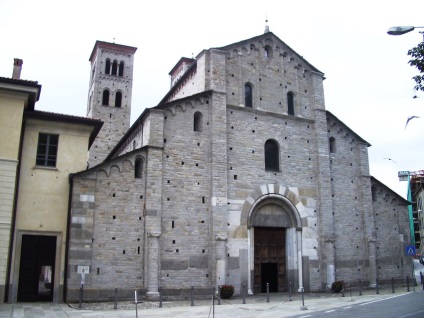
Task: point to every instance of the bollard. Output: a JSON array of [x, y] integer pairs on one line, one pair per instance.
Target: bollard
[[343, 288], [219, 294], [407, 283], [81, 296], [115, 306], [290, 294], [192, 295], [244, 293], [359, 286], [393, 285], [302, 290], [267, 292], [350, 291], [376, 286], [160, 296], [213, 304], [136, 303]]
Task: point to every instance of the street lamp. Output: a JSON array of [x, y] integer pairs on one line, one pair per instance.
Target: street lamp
[[399, 30]]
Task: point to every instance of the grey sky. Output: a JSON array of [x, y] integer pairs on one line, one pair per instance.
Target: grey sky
[[368, 81]]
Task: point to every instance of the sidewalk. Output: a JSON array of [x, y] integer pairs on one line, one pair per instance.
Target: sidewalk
[[256, 306]]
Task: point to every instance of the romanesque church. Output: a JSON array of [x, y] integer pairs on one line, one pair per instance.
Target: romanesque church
[[238, 176]]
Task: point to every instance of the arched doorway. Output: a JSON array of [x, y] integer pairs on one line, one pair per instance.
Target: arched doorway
[[274, 227]]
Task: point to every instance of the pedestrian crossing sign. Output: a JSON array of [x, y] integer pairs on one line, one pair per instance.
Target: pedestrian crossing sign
[[410, 250]]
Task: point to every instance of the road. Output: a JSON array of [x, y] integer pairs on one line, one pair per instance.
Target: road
[[409, 305]]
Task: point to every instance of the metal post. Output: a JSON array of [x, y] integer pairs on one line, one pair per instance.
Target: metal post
[[360, 287], [160, 296], [136, 303], [244, 293], [350, 291], [213, 304], [192, 295], [343, 288], [115, 306], [407, 283], [376, 286], [290, 293], [393, 286], [303, 299], [80, 296], [267, 292], [219, 294]]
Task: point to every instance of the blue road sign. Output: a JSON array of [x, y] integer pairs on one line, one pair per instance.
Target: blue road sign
[[410, 250]]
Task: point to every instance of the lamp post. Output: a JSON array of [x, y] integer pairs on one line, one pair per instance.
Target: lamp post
[[399, 30]]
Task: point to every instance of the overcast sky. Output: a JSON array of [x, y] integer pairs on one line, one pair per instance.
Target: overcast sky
[[368, 82]]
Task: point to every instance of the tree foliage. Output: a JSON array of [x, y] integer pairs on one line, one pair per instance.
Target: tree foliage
[[417, 54]]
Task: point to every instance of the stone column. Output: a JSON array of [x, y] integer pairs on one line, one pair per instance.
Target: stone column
[[299, 257], [372, 258], [221, 268], [153, 266], [330, 260]]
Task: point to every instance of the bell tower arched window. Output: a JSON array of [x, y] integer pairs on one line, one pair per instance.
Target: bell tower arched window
[[115, 67], [248, 95], [107, 67], [105, 98], [121, 68], [290, 103], [272, 156], [118, 99]]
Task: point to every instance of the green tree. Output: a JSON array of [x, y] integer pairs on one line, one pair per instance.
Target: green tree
[[417, 54]]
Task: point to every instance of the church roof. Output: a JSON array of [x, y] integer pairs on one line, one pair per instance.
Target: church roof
[[265, 36], [347, 128], [111, 46]]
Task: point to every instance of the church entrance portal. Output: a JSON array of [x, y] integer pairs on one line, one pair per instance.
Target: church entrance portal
[[36, 271], [269, 259]]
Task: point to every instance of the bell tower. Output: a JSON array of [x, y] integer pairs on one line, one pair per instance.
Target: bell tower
[[109, 95]]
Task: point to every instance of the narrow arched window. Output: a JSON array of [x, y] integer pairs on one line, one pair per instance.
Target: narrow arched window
[[332, 143], [197, 121], [267, 52], [107, 67], [118, 99], [138, 168], [272, 157], [248, 95], [374, 193], [134, 144], [121, 68], [105, 99], [114, 67], [290, 103]]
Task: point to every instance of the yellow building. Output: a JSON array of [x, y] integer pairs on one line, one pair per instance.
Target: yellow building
[[38, 152]]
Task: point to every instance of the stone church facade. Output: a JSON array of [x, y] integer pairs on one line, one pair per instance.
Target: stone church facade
[[238, 176]]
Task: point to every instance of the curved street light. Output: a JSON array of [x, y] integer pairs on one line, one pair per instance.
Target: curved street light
[[399, 30]]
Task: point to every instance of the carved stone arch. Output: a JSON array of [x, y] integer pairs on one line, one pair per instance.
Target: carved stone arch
[[235, 52], [275, 194], [168, 112], [274, 210], [188, 104], [127, 163], [115, 167], [198, 102], [244, 50], [179, 106], [101, 172]]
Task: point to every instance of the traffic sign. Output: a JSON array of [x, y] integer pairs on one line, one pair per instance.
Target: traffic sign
[[410, 250]]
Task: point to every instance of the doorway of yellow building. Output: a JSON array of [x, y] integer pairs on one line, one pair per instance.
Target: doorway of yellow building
[[36, 270]]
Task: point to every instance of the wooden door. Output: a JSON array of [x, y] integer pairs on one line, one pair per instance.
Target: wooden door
[[269, 259]]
